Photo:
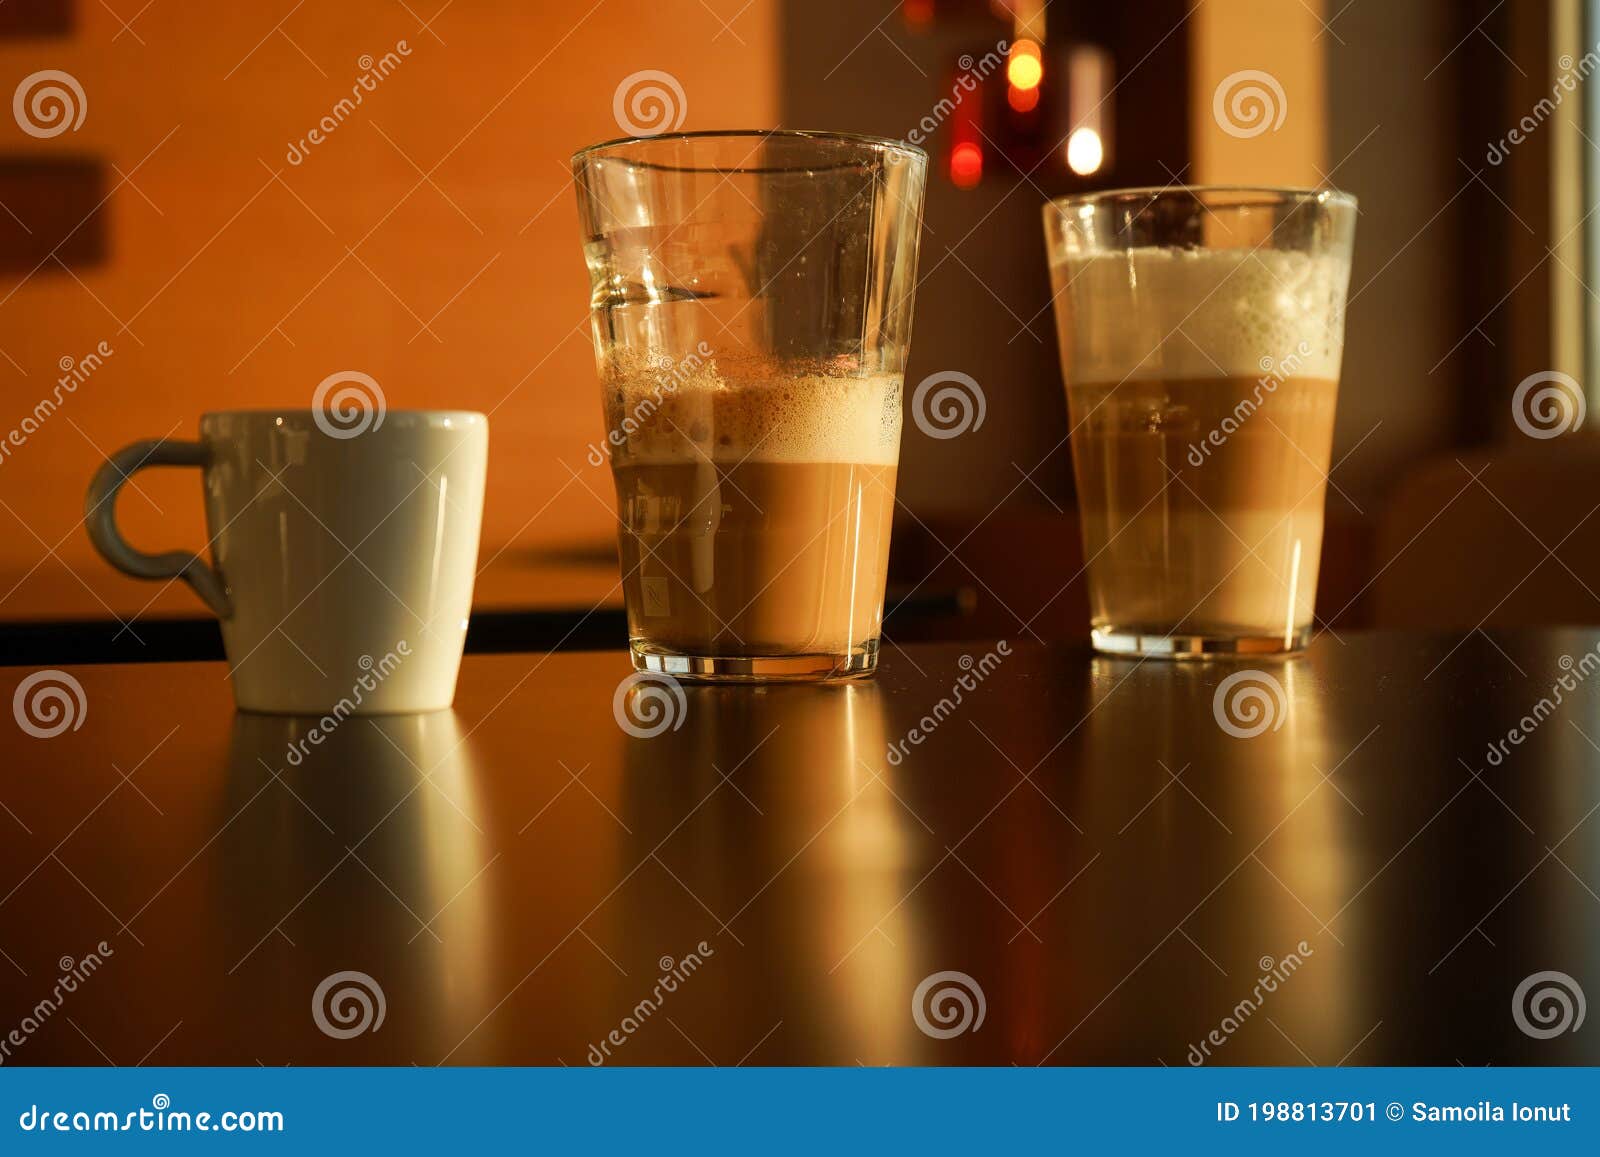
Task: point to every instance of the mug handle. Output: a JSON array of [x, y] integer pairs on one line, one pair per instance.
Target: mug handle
[[99, 516]]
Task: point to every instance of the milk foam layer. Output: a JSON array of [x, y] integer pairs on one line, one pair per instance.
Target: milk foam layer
[[680, 416], [1151, 313]]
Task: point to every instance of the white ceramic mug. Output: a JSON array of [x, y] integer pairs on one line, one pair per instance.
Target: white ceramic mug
[[343, 559]]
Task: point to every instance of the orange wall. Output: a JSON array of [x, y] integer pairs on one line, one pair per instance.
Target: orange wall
[[1286, 40], [238, 279]]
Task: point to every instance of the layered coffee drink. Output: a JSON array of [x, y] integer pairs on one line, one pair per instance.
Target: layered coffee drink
[[750, 301], [755, 513], [1201, 386]]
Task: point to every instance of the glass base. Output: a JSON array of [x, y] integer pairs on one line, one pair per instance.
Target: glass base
[[815, 667], [1149, 643]]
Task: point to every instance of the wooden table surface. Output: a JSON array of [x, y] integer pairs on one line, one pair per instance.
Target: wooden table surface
[[1079, 838]]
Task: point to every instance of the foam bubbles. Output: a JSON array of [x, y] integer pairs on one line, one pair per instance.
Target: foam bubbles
[[1150, 313], [700, 413]]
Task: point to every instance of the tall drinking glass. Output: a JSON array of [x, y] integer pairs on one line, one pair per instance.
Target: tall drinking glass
[[1201, 331], [751, 310]]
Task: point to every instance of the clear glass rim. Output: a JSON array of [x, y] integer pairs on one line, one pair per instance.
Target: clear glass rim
[[863, 141], [1244, 196]]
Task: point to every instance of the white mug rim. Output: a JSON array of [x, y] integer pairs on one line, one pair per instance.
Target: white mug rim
[[302, 413]]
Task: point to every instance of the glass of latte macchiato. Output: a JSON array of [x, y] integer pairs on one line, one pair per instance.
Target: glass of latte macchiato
[[1201, 331], [751, 310]]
